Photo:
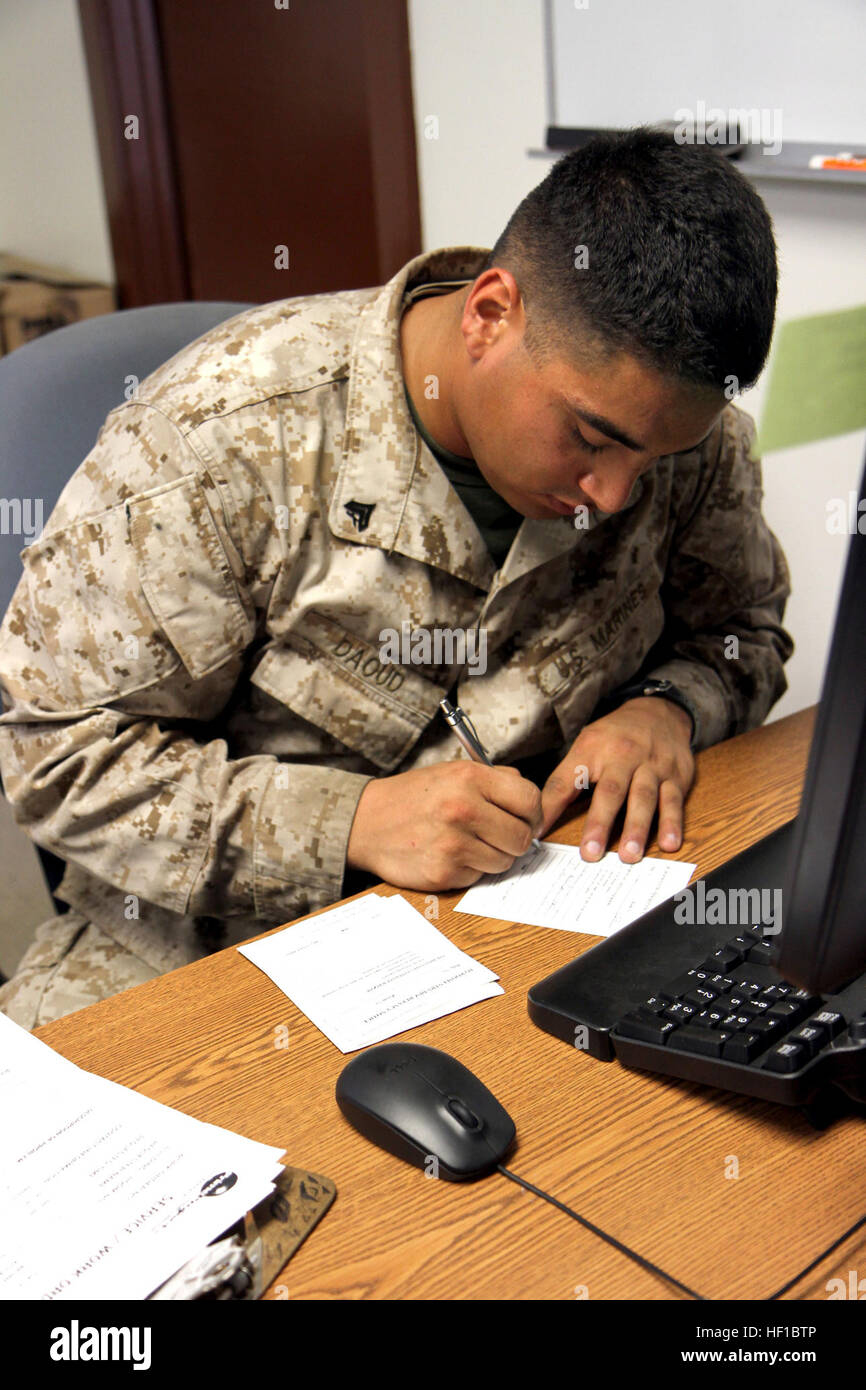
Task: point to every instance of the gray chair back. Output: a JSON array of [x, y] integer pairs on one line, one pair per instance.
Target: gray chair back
[[55, 393]]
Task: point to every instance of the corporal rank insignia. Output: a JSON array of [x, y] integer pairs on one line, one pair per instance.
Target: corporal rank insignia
[[359, 513]]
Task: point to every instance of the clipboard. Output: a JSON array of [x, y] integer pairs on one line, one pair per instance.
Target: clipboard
[[242, 1262]]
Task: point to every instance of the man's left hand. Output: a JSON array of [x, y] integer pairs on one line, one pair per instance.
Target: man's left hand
[[641, 753]]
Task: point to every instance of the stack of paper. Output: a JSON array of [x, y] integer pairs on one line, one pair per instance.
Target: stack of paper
[[553, 887], [104, 1192], [369, 969]]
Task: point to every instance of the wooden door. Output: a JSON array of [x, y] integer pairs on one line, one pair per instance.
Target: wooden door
[[252, 151]]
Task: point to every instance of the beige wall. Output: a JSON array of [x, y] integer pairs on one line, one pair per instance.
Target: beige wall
[[51, 203], [51, 209]]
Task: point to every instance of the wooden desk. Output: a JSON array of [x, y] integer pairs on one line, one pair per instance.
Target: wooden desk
[[644, 1157]]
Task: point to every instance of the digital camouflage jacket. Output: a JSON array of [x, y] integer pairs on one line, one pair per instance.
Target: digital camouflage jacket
[[196, 681]]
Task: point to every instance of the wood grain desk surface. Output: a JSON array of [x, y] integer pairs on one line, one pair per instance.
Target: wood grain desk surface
[[643, 1157]]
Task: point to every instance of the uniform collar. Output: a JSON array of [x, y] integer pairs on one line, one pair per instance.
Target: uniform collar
[[390, 491]]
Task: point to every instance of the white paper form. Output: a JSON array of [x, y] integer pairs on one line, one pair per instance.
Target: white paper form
[[105, 1193], [369, 969], [553, 887]]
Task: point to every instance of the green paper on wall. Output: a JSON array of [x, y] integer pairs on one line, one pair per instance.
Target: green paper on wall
[[817, 385]]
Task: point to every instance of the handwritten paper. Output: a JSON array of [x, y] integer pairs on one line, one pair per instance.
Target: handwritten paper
[[553, 887]]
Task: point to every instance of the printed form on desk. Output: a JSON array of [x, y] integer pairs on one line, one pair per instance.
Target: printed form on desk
[[369, 969], [106, 1193], [553, 887]]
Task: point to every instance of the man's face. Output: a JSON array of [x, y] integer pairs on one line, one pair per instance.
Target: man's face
[[549, 438]]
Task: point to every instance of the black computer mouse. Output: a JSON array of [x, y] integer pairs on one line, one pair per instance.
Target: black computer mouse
[[425, 1106]]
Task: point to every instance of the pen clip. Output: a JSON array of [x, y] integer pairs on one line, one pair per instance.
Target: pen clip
[[472, 729]]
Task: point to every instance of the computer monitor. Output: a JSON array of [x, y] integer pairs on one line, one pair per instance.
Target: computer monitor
[[823, 940]]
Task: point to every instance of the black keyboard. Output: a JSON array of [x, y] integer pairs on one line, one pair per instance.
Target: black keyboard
[[734, 1008], [706, 1004]]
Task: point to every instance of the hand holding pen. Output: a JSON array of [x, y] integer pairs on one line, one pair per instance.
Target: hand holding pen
[[463, 729], [443, 825]]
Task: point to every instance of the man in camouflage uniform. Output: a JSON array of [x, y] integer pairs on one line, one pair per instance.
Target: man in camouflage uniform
[[206, 716]]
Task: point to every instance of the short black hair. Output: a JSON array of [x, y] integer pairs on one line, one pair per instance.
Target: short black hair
[[679, 267]]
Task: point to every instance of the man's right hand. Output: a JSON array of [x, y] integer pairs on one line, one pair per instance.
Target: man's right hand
[[444, 826]]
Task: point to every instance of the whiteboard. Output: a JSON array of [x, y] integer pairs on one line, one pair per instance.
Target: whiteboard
[[616, 63]]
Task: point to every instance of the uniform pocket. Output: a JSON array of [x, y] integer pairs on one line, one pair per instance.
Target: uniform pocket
[[187, 578], [94, 620], [339, 683], [123, 597]]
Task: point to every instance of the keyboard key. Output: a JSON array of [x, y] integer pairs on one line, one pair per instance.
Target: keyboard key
[[710, 1017], [704, 1019], [725, 958], [829, 1019], [749, 1011], [680, 1012], [707, 1042], [769, 1028], [744, 942], [764, 931], [701, 997], [740, 1019], [763, 952], [786, 1056], [736, 998], [656, 1004], [744, 1047], [787, 1011], [656, 1030], [749, 989], [720, 983], [802, 996], [779, 991], [810, 1035]]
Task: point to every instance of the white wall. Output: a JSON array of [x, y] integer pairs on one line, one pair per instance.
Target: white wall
[[52, 207], [820, 235], [479, 68]]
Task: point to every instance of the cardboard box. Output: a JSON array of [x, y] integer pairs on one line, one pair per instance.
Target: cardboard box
[[35, 298]]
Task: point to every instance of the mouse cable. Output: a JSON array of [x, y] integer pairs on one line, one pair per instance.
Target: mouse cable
[[596, 1230], [655, 1269], [823, 1255]]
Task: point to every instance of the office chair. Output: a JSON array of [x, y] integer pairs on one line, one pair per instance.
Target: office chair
[[55, 393]]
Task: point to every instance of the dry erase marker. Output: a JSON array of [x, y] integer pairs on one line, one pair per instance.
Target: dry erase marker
[[463, 727]]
